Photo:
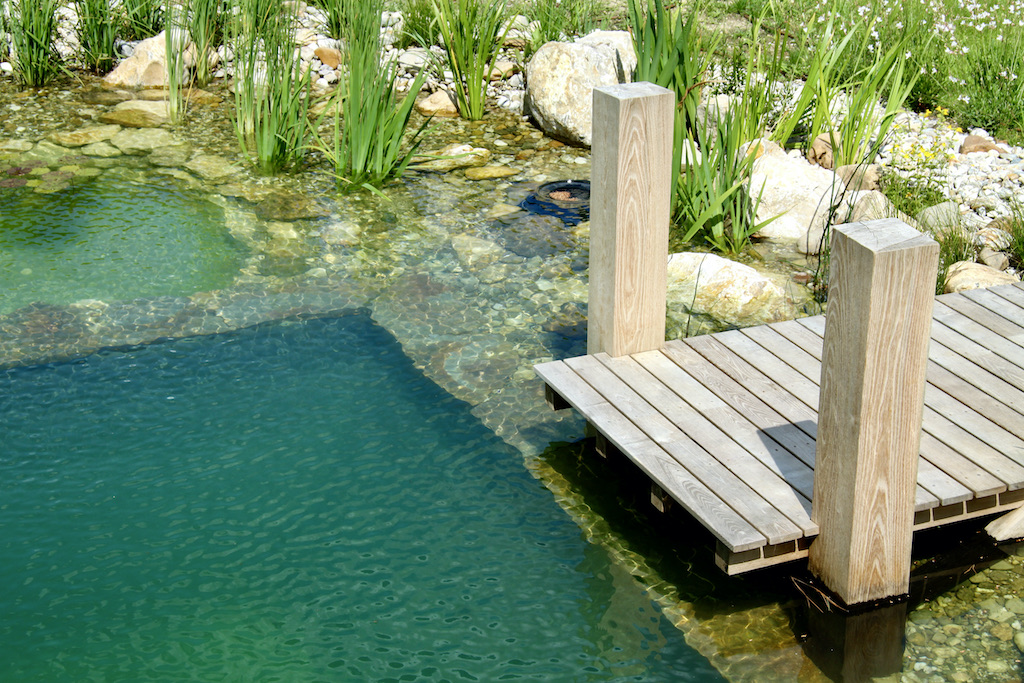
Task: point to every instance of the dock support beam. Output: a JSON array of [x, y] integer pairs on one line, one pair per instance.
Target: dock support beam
[[629, 215], [877, 330]]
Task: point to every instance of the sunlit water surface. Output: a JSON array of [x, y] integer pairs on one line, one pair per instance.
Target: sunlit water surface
[[292, 502]]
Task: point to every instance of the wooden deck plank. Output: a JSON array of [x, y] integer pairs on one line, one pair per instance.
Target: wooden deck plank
[[717, 478], [1013, 292], [990, 310], [754, 381], [764, 477], [793, 444], [751, 349], [979, 344], [717, 517], [952, 469], [725, 423], [997, 403]]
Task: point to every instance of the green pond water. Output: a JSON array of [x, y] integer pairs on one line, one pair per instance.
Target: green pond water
[[111, 239], [293, 501]]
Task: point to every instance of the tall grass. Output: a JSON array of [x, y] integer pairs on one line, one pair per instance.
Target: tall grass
[[967, 55], [368, 147], [141, 19], [97, 28], [472, 31], [672, 53], [33, 27], [561, 19], [174, 46], [207, 20], [271, 88]]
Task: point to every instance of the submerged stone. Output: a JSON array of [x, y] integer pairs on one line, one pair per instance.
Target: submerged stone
[[212, 167], [138, 114], [142, 140], [84, 136], [285, 206], [489, 172]]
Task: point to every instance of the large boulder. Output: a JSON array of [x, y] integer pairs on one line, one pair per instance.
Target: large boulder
[[964, 275], [146, 68], [731, 292], [561, 77], [797, 193]]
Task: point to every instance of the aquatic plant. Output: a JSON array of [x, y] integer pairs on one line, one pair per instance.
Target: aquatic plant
[[271, 88], [96, 29], [368, 146], [472, 31], [141, 18], [206, 24], [33, 27], [174, 46]]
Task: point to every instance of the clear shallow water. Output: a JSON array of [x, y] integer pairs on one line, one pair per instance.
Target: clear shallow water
[[109, 239], [292, 502]]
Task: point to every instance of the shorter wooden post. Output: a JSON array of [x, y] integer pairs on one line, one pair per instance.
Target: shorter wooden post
[[629, 213], [877, 330]]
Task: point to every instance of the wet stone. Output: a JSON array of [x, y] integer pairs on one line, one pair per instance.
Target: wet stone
[[212, 167], [104, 150], [142, 140], [84, 136], [281, 206]]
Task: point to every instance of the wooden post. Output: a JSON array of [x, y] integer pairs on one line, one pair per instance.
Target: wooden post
[[877, 329], [629, 213]]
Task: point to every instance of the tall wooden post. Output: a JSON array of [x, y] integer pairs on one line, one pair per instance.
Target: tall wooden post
[[629, 213], [877, 328]]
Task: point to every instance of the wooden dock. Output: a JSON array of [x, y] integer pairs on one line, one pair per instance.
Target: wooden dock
[[725, 424]]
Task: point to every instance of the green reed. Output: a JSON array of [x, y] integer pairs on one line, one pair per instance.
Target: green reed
[[141, 18], [97, 28], [174, 47], [33, 27], [207, 20], [271, 89], [473, 32], [369, 145]]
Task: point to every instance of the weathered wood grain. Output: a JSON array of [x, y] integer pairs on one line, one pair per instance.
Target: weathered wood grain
[[630, 194], [872, 396]]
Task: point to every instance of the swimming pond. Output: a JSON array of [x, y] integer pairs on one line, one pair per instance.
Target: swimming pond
[[293, 501], [109, 239]]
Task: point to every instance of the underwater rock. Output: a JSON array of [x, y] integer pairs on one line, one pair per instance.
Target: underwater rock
[[489, 172], [475, 252], [104, 150], [451, 157], [212, 167], [16, 146], [285, 206], [138, 114], [84, 136], [172, 155], [142, 140]]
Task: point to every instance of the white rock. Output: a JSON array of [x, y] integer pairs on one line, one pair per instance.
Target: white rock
[[965, 275], [729, 291], [792, 189], [561, 77]]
